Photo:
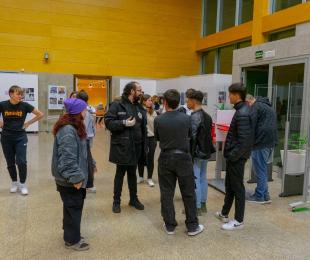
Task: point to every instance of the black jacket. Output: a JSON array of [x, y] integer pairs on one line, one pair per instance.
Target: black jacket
[[239, 140], [201, 139], [122, 149], [264, 120]]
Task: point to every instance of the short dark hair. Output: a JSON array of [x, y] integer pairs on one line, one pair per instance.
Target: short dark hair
[[197, 95], [172, 97], [82, 95], [189, 92], [130, 86], [238, 88]]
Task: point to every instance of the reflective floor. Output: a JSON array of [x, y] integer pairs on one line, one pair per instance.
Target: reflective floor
[[30, 227]]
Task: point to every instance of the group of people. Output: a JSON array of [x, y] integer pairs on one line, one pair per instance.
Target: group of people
[[185, 140]]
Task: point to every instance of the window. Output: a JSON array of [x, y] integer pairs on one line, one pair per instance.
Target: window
[[210, 14], [209, 62], [246, 11], [283, 4], [281, 35], [225, 59], [244, 44], [228, 14]]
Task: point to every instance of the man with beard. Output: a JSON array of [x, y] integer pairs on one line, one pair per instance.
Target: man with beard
[[126, 120]]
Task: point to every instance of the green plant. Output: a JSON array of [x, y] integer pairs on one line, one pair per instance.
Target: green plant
[[297, 142]]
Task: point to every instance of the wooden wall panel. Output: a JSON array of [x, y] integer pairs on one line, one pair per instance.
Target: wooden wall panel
[[138, 38]]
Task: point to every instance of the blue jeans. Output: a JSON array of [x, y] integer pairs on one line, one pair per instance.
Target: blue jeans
[[260, 164], [201, 181]]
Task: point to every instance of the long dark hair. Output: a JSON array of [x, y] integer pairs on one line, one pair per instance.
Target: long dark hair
[[77, 121], [144, 98]]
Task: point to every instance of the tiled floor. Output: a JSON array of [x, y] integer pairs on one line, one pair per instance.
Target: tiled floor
[[30, 227]]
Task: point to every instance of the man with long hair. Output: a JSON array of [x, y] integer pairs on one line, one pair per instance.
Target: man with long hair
[[126, 120]]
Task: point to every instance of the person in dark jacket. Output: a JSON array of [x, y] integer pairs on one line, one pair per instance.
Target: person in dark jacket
[[264, 120], [173, 131], [126, 120], [237, 150], [201, 147], [70, 169]]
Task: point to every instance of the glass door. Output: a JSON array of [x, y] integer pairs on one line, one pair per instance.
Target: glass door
[[288, 98]]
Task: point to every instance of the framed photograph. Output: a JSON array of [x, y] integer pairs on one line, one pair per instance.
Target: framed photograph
[[222, 97], [205, 99]]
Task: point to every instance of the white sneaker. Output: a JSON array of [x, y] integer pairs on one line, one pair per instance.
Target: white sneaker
[[233, 225], [92, 190], [199, 229], [150, 182], [14, 187], [140, 180], [221, 217], [23, 189]]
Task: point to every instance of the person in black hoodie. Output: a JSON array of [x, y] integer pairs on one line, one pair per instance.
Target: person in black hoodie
[[264, 121], [237, 150], [126, 120]]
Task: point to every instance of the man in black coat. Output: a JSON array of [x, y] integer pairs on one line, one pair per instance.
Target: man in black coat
[[237, 150], [201, 147], [264, 121], [126, 120]]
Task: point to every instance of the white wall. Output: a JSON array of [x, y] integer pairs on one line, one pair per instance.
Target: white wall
[[212, 84], [148, 85]]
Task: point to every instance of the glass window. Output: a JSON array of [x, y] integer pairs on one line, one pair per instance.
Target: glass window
[[283, 4], [225, 59], [244, 44], [281, 35], [210, 14], [209, 62], [228, 14], [246, 11]]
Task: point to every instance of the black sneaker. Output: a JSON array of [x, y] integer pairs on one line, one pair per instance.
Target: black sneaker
[[80, 246], [116, 208], [136, 204]]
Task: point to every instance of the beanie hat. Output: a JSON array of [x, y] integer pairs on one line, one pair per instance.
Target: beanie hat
[[74, 106]]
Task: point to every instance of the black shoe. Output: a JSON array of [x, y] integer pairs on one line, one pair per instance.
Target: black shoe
[[116, 207], [137, 204]]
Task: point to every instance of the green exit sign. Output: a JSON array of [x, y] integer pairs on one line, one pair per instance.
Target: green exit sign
[[259, 54]]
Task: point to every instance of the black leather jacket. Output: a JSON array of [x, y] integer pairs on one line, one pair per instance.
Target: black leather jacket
[[239, 140], [201, 139], [122, 149]]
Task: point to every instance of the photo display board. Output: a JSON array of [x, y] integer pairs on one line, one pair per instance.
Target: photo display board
[[56, 97]]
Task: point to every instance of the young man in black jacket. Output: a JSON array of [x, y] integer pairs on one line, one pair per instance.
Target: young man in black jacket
[[237, 150], [201, 147], [172, 130], [126, 120], [264, 121]]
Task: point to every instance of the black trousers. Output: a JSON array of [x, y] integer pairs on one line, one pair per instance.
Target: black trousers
[[235, 189], [73, 202], [131, 178], [173, 168], [15, 150], [151, 145], [90, 179]]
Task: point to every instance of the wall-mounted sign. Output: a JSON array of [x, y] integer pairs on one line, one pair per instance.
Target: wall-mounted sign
[[265, 54], [56, 96], [259, 55]]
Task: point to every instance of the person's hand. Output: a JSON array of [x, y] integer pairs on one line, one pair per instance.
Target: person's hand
[[1, 124], [130, 122], [26, 125], [78, 185]]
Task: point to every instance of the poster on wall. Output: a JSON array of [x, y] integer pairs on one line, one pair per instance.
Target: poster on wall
[[182, 99], [205, 99], [222, 97], [56, 97]]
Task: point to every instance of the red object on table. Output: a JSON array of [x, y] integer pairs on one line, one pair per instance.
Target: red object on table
[[222, 127]]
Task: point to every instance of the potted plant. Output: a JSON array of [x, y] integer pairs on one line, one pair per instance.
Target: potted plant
[[296, 155]]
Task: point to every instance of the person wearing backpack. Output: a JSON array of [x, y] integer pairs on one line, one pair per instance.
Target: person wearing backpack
[[201, 147]]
